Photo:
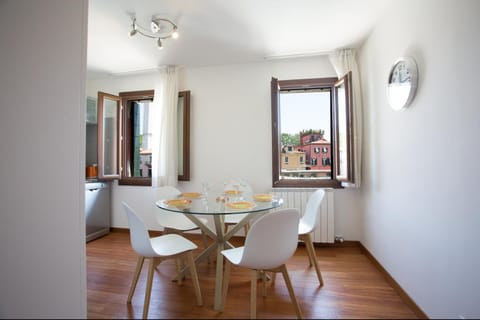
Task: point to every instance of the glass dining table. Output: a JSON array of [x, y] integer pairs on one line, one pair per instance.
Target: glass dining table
[[192, 204]]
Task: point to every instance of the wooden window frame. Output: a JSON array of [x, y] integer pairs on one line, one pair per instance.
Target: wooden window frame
[[126, 150], [101, 97], [306, 84], [126, 146]]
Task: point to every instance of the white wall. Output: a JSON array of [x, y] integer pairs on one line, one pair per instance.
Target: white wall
[[421, 177], [42, 143], [230, 130]]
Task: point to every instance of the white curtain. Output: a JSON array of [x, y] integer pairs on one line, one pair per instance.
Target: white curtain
[[343, 61], [165, 142]]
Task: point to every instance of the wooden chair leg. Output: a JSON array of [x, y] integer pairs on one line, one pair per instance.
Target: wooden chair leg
[[264, 280], [313, 257], [253, 294], [283, 268], [178, 263], [148, 289], [273, 276], [135, 278], [307, 247], [194, 274], [226, 280]]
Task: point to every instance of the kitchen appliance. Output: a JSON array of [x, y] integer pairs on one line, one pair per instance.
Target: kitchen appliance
[[97, 209]]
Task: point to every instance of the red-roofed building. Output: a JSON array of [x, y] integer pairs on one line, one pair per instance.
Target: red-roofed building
[[312, 158], [317, 150]]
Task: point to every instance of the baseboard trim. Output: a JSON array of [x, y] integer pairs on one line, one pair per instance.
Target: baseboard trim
[[405, 297], [121, 230], [337, 244], [153, 233]]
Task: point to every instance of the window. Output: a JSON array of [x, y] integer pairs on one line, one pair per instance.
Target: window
[[312, 115], [134, 148], [136, 157], [326, 162], [108, 142]]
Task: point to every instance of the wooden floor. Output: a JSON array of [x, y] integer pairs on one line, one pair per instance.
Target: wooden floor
[[353, 288]]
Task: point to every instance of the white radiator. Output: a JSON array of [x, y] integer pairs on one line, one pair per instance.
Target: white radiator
[[297, 198]]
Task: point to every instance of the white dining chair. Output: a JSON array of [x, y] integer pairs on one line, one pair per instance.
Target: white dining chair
[[270, 242], [157, 249], [308, 222], [175, 222]]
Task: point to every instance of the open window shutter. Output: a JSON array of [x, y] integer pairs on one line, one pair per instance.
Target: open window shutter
[[275, 98], [343, 129], [108, 136]]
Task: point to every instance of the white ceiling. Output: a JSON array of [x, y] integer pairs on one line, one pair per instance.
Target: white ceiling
[[216, 32]]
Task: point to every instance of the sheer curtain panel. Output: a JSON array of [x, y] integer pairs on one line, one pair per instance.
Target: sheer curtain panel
[[344, 61], [165, 141]]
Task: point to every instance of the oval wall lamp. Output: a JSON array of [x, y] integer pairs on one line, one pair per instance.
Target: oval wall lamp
[[402, 83]]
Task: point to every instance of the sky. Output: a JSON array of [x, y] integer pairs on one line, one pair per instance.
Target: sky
[[301, 111]]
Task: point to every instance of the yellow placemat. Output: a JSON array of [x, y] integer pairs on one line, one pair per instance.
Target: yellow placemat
[[240, 205], [178, 203], [233, 192], [191, 195], [263, 197]]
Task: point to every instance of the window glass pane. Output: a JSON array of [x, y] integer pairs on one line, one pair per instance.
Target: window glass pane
[[110, 136], [137, 128], [142, 139], [305, 130], [342, 130]]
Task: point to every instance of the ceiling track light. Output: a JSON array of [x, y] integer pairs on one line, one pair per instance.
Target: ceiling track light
[[160, 29]]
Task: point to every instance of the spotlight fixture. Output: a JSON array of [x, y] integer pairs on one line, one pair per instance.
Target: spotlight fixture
[[132, 33], [160, 29]]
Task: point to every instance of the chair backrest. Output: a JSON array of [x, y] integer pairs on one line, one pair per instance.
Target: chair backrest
[[139, 237], [271, 240], [310, 216], [166, 192], [166, 218]]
